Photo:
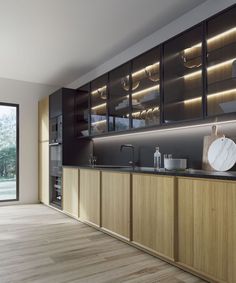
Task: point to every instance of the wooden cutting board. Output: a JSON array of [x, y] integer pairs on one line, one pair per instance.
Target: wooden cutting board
[[207, 141]]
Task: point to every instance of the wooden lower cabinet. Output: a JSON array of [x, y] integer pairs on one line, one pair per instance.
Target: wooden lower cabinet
[[116, 203], [71, 191], [90, 196], [207, 227], [153, 213], [43, 172]]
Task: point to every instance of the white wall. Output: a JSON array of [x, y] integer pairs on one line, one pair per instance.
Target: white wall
[[26, 95], [186, 21]]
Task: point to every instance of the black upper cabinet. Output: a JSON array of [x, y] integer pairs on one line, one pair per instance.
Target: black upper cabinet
[[145, 91], [191, 76], [82, 111], [99, 97], [118, 103], [183, 87], [221, 63], [55, 104]]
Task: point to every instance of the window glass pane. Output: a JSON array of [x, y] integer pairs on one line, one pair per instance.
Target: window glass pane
[[8, 152]]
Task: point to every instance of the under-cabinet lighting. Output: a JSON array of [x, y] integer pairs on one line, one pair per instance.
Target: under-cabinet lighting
[[211, 39], [99, 106], [193, 100], [142, 111], [139, 72], [211, 95], [224, 92], [101, 89], [216, 37], [99, 122], [156, 87], [164, 130], [211, 68]]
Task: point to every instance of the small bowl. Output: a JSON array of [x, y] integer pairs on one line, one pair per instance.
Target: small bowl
[[175, 164]]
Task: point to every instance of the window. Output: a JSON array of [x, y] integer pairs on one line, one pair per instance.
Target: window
[[9, 152]]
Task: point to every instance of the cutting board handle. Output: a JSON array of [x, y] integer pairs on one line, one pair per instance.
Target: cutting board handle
[[214, 130]]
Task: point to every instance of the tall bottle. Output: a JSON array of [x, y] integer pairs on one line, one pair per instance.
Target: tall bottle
[[157, 159]]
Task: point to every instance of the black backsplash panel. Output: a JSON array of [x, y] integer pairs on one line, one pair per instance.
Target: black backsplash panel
[[181, 143]]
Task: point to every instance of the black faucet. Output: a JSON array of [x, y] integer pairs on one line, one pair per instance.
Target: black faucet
[[131, 162]]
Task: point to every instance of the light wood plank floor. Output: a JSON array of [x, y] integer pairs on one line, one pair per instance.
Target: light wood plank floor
[[39, 244]]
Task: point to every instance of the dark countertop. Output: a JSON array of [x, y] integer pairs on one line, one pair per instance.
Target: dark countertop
[[230, 175]]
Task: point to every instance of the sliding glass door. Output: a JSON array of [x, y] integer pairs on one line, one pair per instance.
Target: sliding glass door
[[9, 152]]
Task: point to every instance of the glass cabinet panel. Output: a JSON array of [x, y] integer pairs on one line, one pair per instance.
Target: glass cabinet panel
[[145, 94], [99, 93], [82, 111], [183, 77], [119, 89], [221, 63]]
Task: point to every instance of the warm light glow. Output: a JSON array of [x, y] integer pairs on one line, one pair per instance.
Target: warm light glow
[[101, 89], [99, 122], [225, 92], [193, 74], [141, 133], [218, 36], [212, 39], [191, 49], [193, 100], [211, 68], [137, 73], [222, 64], [99, 106], [142, 111], [141, 92]]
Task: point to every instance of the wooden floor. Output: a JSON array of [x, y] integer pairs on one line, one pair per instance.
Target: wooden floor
[[39, 244]]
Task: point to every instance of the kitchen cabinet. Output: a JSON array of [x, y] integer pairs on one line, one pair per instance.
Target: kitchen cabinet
[[221, 63], [116, 203], [90, 196], [119, 98], [207, 227], [43, 119], [70, 194], [99, 97], [153, 214], [43, 183], [183, 86], [146, 89], [82, 111]]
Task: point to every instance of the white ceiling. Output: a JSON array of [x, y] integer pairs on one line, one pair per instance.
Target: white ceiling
[[56, 41]]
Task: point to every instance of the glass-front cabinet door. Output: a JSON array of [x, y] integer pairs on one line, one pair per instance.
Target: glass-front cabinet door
[[99, 96], [221, 63], [145, 93], [82, 111], [119, 90], [183, 86]]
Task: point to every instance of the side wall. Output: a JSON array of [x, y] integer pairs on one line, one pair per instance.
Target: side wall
[[26, 95]]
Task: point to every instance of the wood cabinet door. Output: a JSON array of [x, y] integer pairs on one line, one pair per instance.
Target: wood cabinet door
[[44, 172], [153, 213], [90, 196], [207, 227], [71, 191], [43, 119], [116, 203]]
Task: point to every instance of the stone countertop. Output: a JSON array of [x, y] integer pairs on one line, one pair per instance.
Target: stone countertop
[[229, 175]]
